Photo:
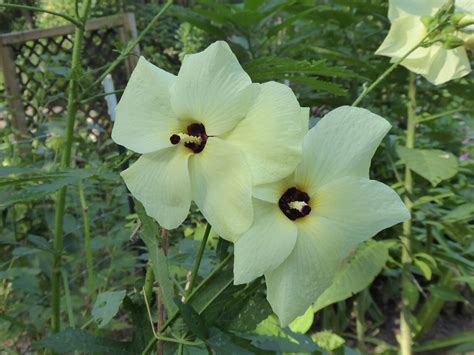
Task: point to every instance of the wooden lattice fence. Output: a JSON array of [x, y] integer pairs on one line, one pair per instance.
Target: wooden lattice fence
[[35, 69]]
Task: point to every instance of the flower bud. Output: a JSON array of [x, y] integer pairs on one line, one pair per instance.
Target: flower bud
[[462, 20], [452, 42], [469, 42], [427, 21]]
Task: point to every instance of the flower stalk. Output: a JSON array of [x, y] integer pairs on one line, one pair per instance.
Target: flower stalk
[[386, 73], [60, 206], [405, 330]]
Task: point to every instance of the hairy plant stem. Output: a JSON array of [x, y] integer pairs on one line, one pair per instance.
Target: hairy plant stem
[[87, 244], [60, 206], [405, 330], [197, 263]]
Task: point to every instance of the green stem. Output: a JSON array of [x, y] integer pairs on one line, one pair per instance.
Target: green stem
[[366, 91], [405, 330], [92, 98], [175, 315], [38, 9], [197, 263], [438, 115], [87, 244], [149, 280], [130, 47], [65, 163]]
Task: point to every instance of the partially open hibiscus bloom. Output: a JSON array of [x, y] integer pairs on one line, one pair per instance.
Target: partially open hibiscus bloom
[[436, 62], [207, 134], [306, 224]]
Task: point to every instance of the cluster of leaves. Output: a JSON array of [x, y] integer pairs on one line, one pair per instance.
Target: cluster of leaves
[[325, 53]]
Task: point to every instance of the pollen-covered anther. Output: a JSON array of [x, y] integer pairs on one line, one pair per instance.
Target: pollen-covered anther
[[195, 139], [294, 204], [298, 205], [186, 138]]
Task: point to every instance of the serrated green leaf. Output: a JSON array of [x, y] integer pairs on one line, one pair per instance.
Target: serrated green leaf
[[52, 183], [319, 85], [432, 164], [106, 306], [356, 275]]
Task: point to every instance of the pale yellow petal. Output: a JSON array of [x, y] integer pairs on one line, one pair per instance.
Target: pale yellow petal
[[212, 89], [160, 181], [222, 187], [265, 245], [271, 134], [144, 118]]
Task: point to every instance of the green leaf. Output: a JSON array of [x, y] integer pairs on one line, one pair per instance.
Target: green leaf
[[142, 331], [467, 279], [71, 340], [271, 337], [157, 258], [356, 275], [204, 297], [276, 66], [225, 343], [411, 293], [192, 319], [432, 164], [328, 340], [424, 267], [304, 322], [106, 306], [250, 313], [461, 213], [446, 293], [319, 85], [48, 183]]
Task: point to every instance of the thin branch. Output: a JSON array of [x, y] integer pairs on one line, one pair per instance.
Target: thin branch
[[38, 9]]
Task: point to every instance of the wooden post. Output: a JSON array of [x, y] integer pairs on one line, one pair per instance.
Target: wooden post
[[127, 33], [12, 88]]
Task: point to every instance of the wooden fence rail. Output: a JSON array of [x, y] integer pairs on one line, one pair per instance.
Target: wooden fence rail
[[35, 62]]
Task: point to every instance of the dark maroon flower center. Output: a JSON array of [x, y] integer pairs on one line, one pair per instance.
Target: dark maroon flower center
[[195, 138], [294, 203]]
